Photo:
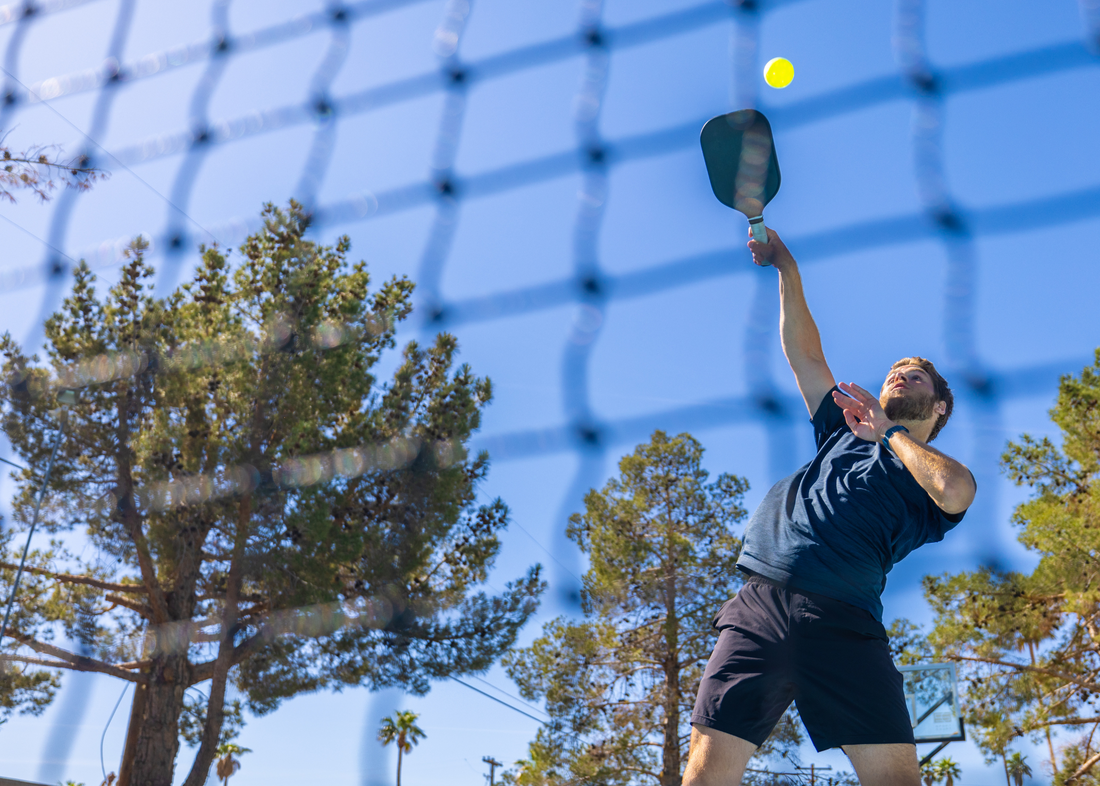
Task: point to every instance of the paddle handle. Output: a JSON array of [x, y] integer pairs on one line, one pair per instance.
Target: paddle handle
[[759, 231]]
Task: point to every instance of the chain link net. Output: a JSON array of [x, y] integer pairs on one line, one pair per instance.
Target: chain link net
[[589, 287]]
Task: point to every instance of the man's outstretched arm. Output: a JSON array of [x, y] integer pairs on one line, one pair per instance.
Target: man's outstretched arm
[[801, 341]]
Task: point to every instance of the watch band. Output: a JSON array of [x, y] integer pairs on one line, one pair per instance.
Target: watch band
[[890, 432]]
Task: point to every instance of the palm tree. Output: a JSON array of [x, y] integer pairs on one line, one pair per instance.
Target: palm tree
[[227, 765], [1017, 768], [402, 729], [928, 775], [947, 770]]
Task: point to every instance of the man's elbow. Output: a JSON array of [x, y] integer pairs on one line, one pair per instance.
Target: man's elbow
[[958, 495]]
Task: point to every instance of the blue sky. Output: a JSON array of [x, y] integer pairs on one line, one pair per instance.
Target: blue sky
[[682, 336]]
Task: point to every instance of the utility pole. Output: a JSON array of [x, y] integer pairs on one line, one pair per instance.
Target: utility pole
[[493, 764], [813, 772]]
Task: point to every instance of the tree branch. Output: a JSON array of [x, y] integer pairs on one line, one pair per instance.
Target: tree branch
[[1085, 767], [94, 668], [132, 520], [223, 662], [1064, 722], [144, 611], [1035, 669], [250, 597], [70, 661], [69, 578]]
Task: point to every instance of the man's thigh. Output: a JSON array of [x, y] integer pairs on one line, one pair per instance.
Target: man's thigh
[[716, 758], [850, 691], [885, 765]]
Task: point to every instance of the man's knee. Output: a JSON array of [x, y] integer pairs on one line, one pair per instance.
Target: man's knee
[[885, 765], [716, 758]]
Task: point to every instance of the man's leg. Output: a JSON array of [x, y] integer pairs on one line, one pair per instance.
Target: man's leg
[[884, 765], [716, 758]]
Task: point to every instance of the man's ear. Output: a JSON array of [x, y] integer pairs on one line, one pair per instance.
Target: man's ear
[[940, 407]]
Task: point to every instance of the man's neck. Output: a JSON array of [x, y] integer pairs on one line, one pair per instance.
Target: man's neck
[[918, 429]]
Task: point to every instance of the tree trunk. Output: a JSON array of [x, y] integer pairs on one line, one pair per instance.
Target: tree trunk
[[398, 765], [670, 765], [670, 755], [153, 740], [215, 707], [137, 712]]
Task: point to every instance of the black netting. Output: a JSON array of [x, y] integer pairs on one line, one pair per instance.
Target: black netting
[[590, 287]]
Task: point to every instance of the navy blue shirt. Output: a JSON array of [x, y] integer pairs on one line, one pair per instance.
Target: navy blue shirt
[[839, 524]]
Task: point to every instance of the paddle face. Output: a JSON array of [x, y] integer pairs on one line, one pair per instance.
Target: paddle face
[[741, 160]]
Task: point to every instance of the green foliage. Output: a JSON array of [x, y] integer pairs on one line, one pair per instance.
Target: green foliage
[[253, 497], [802, 776], [1017, 768], [401, 729], [943, 770], [619, 684], [947, 770], [908, 644], [193, 721], [227, 764], [1027, 644], [928, 774]]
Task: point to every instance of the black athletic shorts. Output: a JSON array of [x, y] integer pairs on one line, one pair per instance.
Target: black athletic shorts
[[778, 645]]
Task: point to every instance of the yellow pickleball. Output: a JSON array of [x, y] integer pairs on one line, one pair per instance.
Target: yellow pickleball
[[778, 72]]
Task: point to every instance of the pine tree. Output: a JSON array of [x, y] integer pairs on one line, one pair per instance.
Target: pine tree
[[259, 509], [620, 684], [1028, 643]]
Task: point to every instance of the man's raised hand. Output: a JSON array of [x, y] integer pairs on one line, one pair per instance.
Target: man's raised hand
[[862, 412], [774, 252]]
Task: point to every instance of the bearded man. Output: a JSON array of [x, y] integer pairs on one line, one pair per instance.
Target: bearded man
[[807, 624]]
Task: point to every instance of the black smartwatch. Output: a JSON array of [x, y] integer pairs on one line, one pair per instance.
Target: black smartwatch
[[890, 432]]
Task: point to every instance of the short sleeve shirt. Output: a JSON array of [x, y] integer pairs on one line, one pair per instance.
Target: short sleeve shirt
[[840, 523]]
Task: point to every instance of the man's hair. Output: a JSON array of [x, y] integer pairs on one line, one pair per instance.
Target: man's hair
[[939, 385]]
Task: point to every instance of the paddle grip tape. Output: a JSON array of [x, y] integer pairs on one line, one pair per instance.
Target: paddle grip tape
[[759, 231]]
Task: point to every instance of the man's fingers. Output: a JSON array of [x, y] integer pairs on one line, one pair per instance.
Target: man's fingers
[[853, 409], [856, 387], [851, 419], [846, 402], [857, 392]]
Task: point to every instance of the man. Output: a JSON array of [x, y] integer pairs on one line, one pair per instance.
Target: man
[[807, 624]]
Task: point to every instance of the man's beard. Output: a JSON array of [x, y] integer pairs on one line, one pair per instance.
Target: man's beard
[[915, 406]]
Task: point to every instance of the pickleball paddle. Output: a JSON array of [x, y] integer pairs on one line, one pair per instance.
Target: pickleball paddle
[[744, 170]]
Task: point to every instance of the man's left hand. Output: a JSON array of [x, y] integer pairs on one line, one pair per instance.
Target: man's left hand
[[862, 412]]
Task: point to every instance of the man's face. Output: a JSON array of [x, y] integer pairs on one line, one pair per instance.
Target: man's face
[[908, 394]]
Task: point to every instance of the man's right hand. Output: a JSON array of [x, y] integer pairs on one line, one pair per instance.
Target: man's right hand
[[774, 252]]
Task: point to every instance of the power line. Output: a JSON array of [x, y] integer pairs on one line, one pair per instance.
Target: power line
[[499, 701], [102, 766], [13, 464], [509, 695], [46, 243]]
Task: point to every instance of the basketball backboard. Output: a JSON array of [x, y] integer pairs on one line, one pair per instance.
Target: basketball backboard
[[932, 693]]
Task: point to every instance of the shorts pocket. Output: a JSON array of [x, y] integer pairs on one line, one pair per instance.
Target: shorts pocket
[[828, 618]]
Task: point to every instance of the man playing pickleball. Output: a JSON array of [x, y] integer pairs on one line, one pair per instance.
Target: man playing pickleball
[[807, 624]]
